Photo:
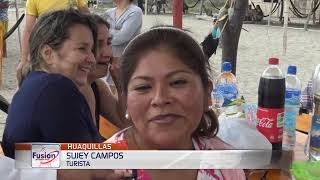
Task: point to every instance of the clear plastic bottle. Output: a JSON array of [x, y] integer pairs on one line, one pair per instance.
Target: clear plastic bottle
[[217, 102], [314, 150], [226, 85], [292, 104]]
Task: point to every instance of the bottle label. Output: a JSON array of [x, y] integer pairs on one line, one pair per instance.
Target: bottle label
[[228, 91], [270, 123], [293, 96], [315, 133]]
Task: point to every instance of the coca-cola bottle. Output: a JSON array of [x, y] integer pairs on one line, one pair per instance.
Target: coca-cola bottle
[[271, 99]]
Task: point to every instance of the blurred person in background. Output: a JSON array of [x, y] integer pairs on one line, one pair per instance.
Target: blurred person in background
[[257, 14], [125, 23], [101, 100], [48, 107], [165, 80], [34, 9], [141, 5], [4, 5]]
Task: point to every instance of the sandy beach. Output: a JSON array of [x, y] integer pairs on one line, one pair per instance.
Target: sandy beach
[[255, 47]]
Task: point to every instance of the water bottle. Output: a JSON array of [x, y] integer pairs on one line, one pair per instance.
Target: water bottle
[[226, 86], [314, 148], [217, 102], [292, 104]]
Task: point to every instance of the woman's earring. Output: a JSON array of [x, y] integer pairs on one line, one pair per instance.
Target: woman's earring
[[127, 116]]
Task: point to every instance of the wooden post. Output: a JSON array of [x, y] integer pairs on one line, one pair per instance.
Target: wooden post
[[177, 13]]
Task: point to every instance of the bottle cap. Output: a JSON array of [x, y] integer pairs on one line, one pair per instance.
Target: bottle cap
[[226, 66], [292, 70], [273, 61]]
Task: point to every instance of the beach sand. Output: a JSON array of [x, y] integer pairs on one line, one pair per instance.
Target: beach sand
[[255, 47]]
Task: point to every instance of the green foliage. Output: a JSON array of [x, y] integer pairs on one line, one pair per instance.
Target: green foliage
[[306, 170]]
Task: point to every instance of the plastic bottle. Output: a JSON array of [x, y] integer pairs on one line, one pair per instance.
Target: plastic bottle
[[217, 101], [271, 97], [314, 150], [292, 104], [226, 85]]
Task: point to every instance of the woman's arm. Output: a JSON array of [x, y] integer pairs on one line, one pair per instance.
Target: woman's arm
[[131, 25], [110, 107], [83, 6], [30, 21], [31, 17]]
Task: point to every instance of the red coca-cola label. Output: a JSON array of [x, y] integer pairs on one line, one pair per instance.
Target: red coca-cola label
[[270, 123]]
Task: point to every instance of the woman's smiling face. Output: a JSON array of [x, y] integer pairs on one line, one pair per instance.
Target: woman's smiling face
[[165, 99], [75, 59]]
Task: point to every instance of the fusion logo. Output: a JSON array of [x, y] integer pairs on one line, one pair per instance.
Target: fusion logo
[[45, 155]]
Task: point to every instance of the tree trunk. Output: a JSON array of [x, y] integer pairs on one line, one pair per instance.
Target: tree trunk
[[231, 33]]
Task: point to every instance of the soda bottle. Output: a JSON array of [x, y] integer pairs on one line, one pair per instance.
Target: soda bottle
[[292, 104], [314, 150], [271, 97], [226, 85]]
